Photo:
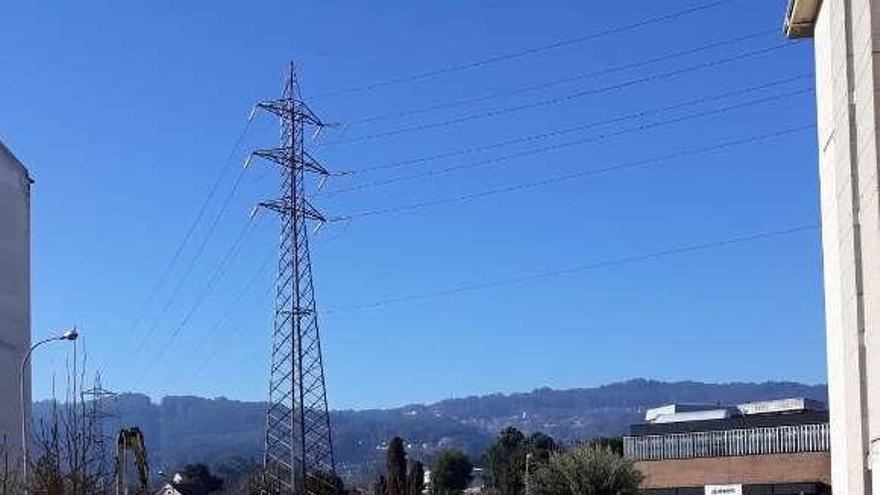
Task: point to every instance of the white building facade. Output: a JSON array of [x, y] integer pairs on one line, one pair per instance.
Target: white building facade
[[847, 48], [15, 319]]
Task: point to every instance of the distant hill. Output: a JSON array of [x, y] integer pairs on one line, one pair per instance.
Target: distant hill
[[184, 429]]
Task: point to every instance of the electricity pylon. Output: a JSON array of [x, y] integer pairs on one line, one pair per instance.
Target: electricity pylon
[[97, 414], [298, 451]]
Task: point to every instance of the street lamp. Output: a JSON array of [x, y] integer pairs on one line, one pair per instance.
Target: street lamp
[[66, 335]]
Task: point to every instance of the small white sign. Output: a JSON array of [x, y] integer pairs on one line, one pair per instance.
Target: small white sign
[[724, 489]]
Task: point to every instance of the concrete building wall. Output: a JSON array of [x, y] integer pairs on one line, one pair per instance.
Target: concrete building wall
[[846, 32], [15, 332], [755, 469]]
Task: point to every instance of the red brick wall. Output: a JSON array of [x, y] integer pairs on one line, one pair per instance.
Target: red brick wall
[[772, 468]]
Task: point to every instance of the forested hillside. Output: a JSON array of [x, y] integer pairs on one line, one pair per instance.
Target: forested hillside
[[215, 431]]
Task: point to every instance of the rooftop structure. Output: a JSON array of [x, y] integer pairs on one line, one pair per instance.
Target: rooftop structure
[[654, 413], [781, 406], [695, 415]]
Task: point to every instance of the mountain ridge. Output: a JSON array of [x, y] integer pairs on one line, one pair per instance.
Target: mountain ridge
[[187, 428]]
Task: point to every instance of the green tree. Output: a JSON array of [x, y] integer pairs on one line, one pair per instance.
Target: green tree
[[505, 459], [540, 445], [396, 464], [197, 478], [504, 462], [234, 470], [613, 443], [586, 470], [416, 479], [452, 473]]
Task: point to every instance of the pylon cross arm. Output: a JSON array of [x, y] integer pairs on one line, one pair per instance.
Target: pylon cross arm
[[285, 158], [285, 206], [287, 108]]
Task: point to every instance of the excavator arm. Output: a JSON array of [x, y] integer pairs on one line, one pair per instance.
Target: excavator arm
[[131, 440]]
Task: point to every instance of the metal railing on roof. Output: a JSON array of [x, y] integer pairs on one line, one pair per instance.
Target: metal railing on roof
[[749, 441]]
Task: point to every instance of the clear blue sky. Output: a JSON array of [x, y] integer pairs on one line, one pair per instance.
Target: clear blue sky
[[125, 115]]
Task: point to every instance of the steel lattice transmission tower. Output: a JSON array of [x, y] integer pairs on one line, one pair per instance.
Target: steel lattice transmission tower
[[298, 453], [95, 400]]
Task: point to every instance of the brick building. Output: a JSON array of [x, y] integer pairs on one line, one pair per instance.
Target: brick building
[[760, 448]]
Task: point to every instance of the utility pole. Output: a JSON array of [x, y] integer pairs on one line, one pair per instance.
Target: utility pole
[[298, 451], [95, 400]]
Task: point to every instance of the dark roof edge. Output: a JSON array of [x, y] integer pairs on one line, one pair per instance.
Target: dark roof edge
[[734, 423]]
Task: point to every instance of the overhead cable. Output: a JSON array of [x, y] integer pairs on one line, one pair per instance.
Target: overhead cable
[[572, 176], [221, 269], [166, 272], [567, 144], [560, 99], [580, 126], [191, 265], [567, 80], [626, 260], [529, 51]]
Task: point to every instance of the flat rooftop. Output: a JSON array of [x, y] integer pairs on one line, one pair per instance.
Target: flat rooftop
[[731, 423], [689, 418]]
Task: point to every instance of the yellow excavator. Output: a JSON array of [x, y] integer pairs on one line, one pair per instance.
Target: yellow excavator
[[131, 440]]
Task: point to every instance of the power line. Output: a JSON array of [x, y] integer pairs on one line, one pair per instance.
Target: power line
[[568, 144], [571, 176], [228, 313], [211, 334], [561, 99], [215, 351], [178, 251], [626, 260], [214, 328], [580, 126], [557, 82], [191, 265], [529, 51], [224, 265]]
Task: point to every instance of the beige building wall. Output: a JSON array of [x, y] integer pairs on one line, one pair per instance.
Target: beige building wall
[[846, 34], [752, 469], [15, 333]]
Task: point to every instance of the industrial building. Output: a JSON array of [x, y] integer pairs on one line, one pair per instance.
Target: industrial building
[[778, 447], [845, 34], [15, 324]]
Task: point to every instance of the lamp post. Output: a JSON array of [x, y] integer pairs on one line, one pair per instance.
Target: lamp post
[[67, 335]]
